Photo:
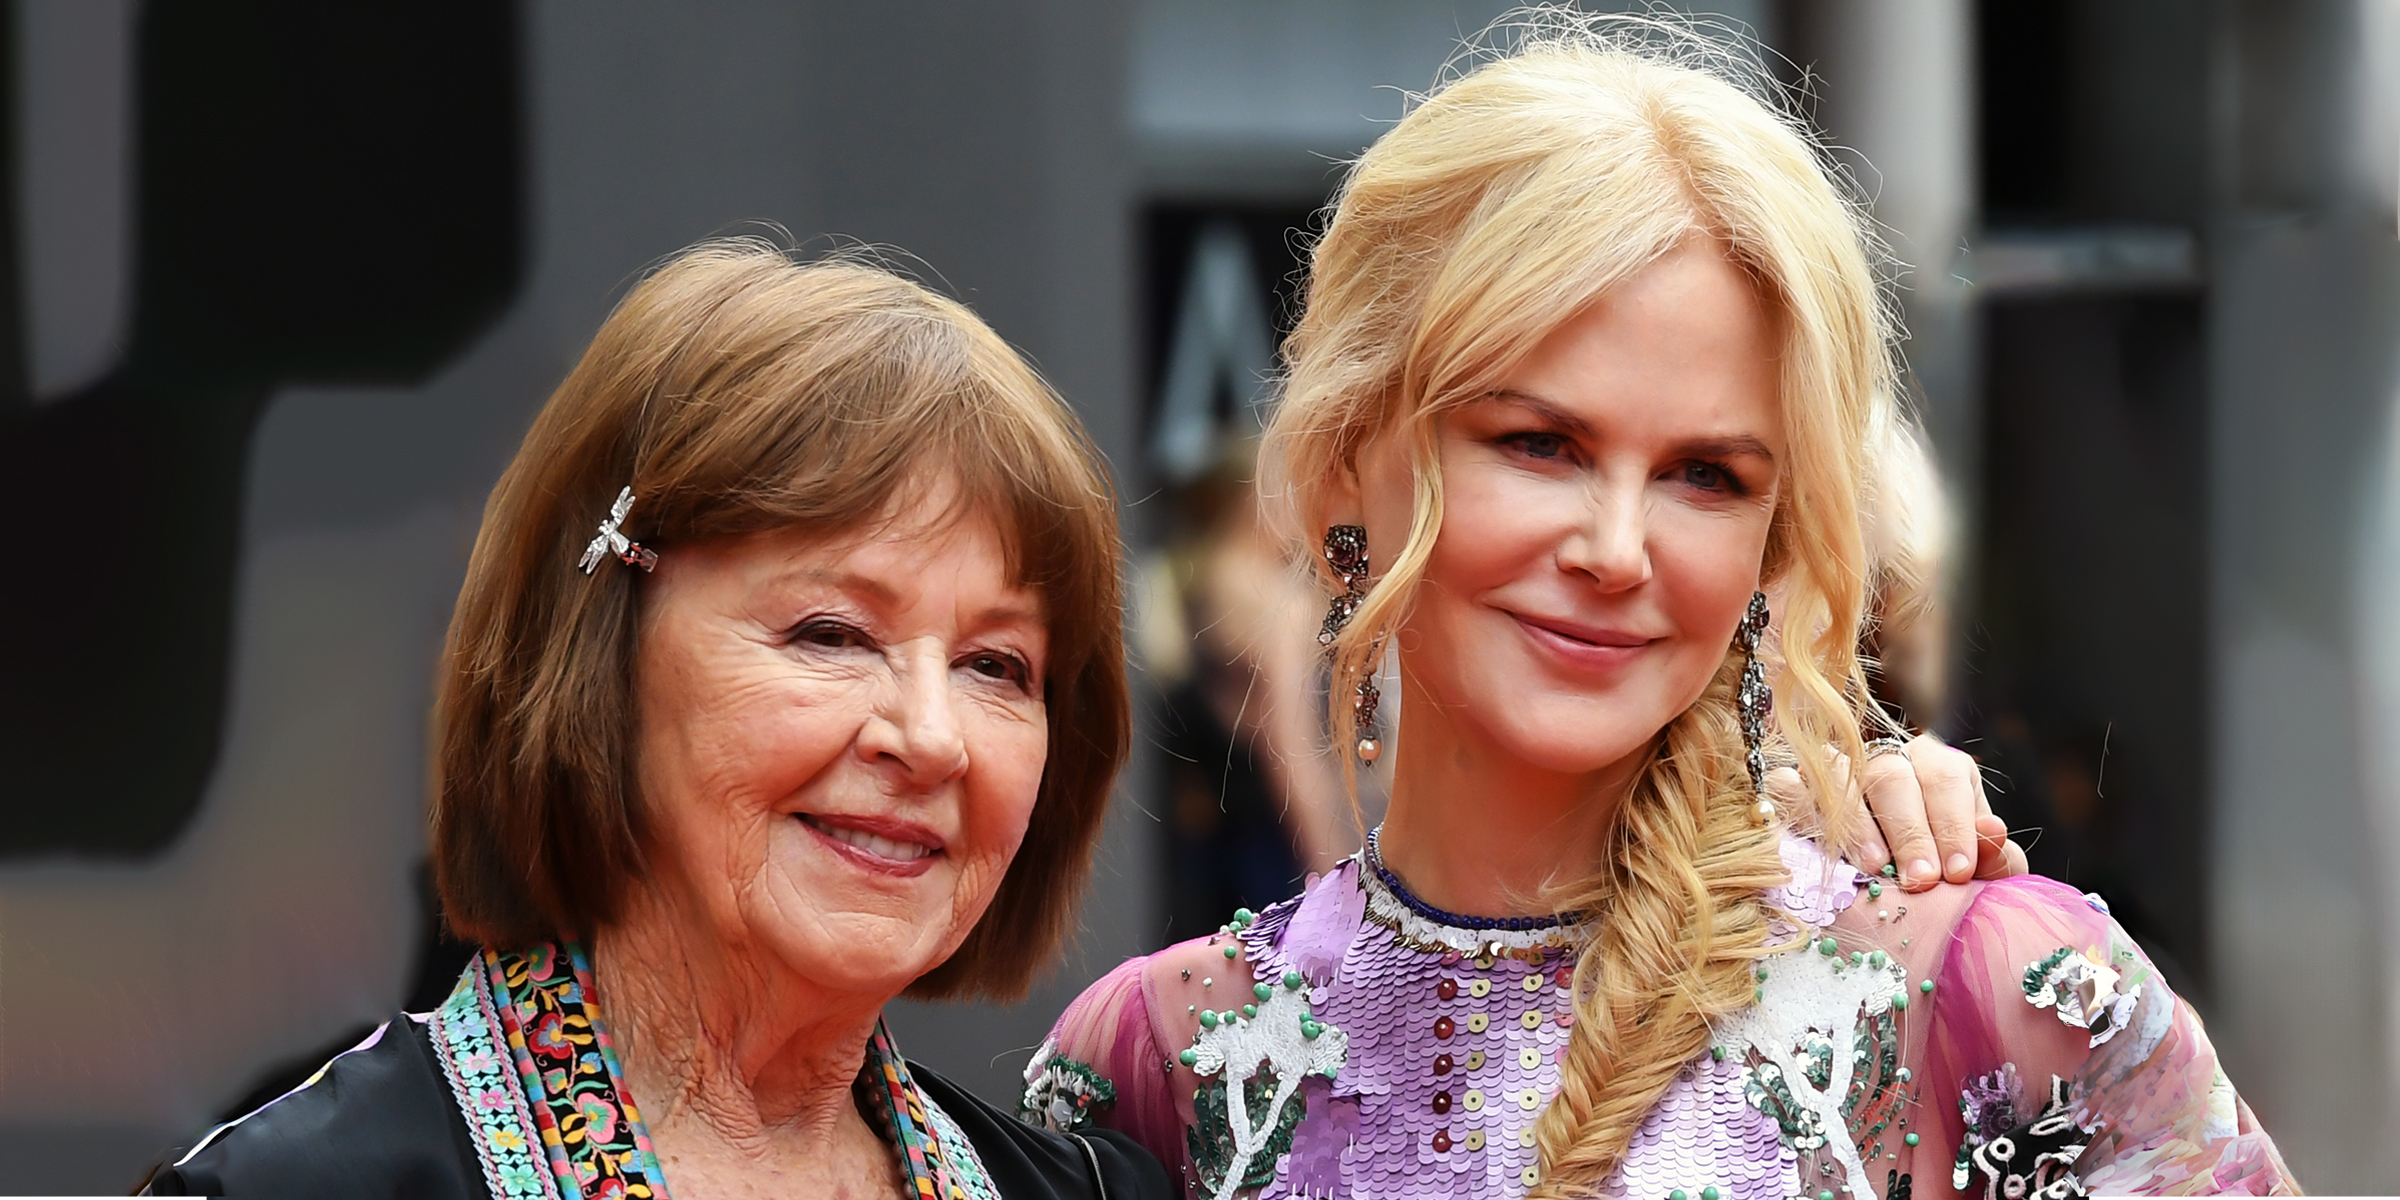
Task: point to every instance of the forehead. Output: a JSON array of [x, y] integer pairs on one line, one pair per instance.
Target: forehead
[[1686, 341], [922, 550]]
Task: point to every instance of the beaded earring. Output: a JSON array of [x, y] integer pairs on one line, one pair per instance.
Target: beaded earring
[[1346, 554], [1755, 700]]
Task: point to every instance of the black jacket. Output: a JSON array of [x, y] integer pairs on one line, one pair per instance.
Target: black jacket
[[381, 1123]]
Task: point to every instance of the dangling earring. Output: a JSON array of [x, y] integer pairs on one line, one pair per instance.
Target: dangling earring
[[1755, 700], [1346, 553]]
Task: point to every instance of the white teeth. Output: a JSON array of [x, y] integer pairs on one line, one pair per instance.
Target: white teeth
[[880, 847]]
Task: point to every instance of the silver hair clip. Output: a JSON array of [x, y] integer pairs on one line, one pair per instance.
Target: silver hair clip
[[613, 541]]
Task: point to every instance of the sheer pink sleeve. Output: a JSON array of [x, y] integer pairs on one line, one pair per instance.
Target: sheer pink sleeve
[[1108, 1032], [2049, 1027], [1119, 1031]]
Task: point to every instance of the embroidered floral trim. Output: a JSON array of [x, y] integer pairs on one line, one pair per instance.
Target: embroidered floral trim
[[466, 1038], [536, 1074], [2032, 1161], [1062, 1094], [939, 1161], [597, 1145]]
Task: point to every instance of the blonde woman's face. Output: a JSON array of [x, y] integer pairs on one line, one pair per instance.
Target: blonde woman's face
[[841, 742], [1606, 511]]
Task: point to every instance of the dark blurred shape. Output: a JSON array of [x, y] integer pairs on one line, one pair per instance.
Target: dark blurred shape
[[2088, 670], [327, 195]]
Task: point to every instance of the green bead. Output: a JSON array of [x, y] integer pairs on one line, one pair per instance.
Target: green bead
[[1710, 1193], [1877, 959], [1926, 986], [1762, 974], [1310, 1030], [1874, 890], [1857, 957], [1824, 1196], [1891, 870], [1900, 1001], [1910, 1139], [1231, 951], [1677, 1194], [1249, 1010], [1716, 1053], [1188, 1057], [1758, 995], [1245, 916], [1261, 990], [1208, 1019], [1828, 948], [1292, 980]]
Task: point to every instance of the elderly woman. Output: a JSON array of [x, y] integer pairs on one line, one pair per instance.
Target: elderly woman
[[828, 715]]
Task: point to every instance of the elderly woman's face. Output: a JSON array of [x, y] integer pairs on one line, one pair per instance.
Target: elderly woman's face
[[841, 741]]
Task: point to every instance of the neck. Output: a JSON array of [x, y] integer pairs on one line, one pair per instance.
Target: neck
[[1484, 833], [737, 1066]]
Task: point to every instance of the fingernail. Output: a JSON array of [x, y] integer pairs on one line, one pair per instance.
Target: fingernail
[[1878, 853], [1959, 864], [1921, 871]]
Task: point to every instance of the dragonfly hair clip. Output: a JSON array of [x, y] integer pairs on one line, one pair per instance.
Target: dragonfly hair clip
[[612, 540]]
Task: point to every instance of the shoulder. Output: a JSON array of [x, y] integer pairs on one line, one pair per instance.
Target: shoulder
[[1026, 1163], [376, 1121]]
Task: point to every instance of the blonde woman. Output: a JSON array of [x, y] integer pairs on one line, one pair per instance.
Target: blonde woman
[[1593, 359]]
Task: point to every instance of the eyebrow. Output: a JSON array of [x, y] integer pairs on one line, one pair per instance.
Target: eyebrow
[[1733, 446], [1004, 613]]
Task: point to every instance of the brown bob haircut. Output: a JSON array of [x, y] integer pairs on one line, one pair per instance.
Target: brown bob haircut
[[739, 391]]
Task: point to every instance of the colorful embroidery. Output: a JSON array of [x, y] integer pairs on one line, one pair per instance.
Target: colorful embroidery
[[925, 1155], [466, 1037], [534, 1070], [595, 1139]]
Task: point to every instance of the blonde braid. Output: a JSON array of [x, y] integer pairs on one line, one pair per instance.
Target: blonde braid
[[1680, 925]]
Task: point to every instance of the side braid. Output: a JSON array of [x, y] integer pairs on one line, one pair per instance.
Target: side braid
[[1679, 923]]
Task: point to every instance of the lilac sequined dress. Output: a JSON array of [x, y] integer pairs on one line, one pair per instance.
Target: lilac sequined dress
[[1348, 1043]]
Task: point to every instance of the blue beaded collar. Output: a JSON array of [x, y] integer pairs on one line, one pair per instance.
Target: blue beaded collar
[[1410, 900]]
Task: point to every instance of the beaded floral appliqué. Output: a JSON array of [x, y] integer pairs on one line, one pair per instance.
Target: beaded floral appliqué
[[1063, 1095], [1251, 1063], [1812, 1006]]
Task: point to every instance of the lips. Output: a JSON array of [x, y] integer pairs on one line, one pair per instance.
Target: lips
[[1588, 647], [889, 847]]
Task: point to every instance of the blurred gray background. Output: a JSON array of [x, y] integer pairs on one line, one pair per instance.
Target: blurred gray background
[[281, 289]]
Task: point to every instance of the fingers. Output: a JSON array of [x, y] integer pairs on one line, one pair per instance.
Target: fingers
[[1996, 856], [1897, 801], [1953, 799]]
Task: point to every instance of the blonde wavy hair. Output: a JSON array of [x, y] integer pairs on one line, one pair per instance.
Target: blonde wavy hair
[[1565, 155]]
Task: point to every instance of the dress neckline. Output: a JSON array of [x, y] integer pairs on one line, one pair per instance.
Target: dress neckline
[[1390, 903]]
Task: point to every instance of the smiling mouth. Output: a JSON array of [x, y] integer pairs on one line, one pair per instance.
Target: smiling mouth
[[883, 850]]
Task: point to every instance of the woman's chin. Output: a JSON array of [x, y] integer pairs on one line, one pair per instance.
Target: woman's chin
[[1567, 739]]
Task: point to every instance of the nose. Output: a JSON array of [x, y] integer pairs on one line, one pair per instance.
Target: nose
[[1611, 542], [914, 727]]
